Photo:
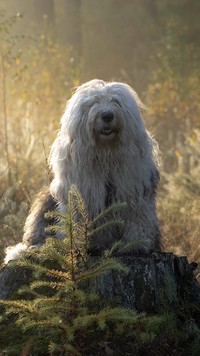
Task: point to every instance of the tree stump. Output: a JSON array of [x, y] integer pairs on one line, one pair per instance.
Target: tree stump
[[11, 279], [154, 282]]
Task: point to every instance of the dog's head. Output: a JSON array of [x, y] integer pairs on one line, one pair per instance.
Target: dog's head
[[103, 113], [101, 126]]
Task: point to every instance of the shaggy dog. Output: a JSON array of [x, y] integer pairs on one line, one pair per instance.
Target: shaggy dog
[[104, 149]]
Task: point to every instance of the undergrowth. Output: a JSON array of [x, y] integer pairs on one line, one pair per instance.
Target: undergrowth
[[53, 314], [59, 312]]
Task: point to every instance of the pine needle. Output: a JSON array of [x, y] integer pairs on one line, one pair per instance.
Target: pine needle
[[102, 268]]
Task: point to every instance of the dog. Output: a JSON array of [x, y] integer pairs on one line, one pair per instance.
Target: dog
[[104, 149]]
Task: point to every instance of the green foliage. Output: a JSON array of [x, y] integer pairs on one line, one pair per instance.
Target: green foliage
[[60, 313], [57, 308]]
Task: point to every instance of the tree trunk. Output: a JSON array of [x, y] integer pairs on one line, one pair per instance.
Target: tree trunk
[[72, 26], [154, 283]]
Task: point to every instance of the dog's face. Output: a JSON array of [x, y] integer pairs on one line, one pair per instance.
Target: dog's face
[[103, 114], [105, 119]]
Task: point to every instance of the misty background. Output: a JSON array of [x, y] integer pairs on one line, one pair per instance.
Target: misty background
[[48, 47]]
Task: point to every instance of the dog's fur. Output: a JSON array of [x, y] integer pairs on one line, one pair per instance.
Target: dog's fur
[[104, 149]]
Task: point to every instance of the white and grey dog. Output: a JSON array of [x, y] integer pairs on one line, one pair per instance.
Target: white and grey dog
[[104, 149]]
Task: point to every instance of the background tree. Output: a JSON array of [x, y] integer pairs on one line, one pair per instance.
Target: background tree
[[72, 19], [174, 86]]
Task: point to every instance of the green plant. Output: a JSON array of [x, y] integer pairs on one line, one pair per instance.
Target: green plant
[[57, 307], [60, 312]]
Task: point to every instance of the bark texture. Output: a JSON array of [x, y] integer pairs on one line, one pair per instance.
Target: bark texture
[[154, 282], [11, 279]]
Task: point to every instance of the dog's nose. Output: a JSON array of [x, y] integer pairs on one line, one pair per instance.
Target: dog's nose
[[107, 116]]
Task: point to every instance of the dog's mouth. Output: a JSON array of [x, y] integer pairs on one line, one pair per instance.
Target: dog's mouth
[[107, 131]]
